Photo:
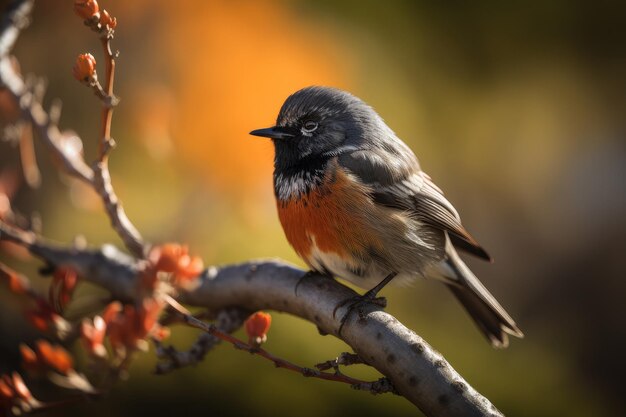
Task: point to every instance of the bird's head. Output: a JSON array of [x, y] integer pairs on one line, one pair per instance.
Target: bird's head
[[321, 122]]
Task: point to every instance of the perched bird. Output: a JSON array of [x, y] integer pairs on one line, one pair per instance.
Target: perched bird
[[354, 204]]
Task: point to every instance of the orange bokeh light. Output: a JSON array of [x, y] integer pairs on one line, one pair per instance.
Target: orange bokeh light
[[233, 64]]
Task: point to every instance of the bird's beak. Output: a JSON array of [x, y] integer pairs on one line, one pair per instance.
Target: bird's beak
[[275, 132]]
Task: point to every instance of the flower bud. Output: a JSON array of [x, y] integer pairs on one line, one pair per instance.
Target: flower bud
[[6, 392], [86, 9], [166, 257], [107, 20], [29, 357], [20, 387], [257, 326], [111, 311], [92, 333], [62, 287], [161, 333], [54, 357], [84, 67], [174, 258]]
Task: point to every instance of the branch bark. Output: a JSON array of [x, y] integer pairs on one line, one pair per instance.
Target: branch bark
[[417, 371]]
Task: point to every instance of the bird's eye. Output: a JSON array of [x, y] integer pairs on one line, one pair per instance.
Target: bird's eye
[[309, 126]]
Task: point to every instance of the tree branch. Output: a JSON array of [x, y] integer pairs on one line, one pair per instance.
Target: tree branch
[[416, 370], [107, 111], [49, 133], [16, 17], [63, 144]]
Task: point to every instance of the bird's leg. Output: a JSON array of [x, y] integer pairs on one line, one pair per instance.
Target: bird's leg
[[359, 301]]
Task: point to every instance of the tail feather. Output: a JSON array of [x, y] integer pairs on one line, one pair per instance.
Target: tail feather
[[490, 317]]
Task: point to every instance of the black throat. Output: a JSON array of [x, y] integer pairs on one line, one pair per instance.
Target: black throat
[[296, 177]]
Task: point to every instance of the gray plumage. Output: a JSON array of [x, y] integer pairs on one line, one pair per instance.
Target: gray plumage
[[321, 128]]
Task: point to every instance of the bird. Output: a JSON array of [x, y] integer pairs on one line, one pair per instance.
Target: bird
[[355, 204]]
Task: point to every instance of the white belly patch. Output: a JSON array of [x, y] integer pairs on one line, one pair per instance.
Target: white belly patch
[[364, 275]]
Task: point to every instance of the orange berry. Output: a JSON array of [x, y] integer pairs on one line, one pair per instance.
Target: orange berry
[[193, 267], [54, 356], [86, 8], [161, 333], [84, 67], [44, 350], [257, 326], [16, 284], [167, 256], [175, 259], [62, 287], [92, 334], [63, 361], [148, 315], [29, 357], [107, 20], [38, 320], [111, 311], [20, 387], [68, 276], [6, 392]]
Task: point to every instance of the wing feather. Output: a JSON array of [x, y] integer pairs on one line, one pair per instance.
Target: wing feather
[[398, 182]]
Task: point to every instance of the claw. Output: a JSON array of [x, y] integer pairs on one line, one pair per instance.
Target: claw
[[357, 302]]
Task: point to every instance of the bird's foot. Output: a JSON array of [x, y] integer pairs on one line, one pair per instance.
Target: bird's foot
[[357, 303]]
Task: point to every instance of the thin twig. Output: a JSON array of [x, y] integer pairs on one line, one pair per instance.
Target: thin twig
[[102, 178], [107, 111], [29, 160], [228, 320], [107, 100], [16, 235], [49, 133], [278, 362], [15, 18], [345, 359], [21, 283], [119, 220]]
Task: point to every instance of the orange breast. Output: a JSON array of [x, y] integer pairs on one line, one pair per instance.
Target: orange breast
[[330, 217]]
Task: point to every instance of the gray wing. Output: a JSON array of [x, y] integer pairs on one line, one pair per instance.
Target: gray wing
[[397, 181]]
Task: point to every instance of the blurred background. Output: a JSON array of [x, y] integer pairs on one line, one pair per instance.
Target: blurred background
[[515, 109]]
